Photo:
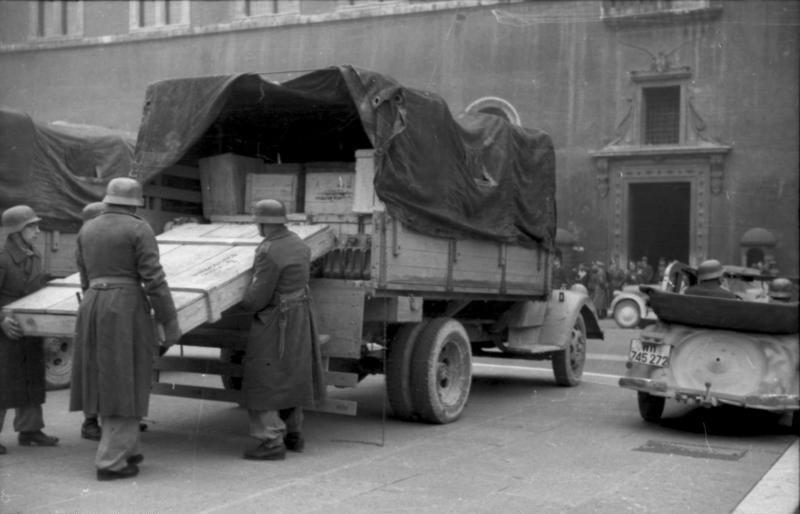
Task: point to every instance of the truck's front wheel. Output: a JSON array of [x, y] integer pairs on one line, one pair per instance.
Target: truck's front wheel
[[441, 371], [58, 362], [568, 363]]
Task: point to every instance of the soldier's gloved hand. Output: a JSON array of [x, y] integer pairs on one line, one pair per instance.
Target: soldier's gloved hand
[[172, 333], [11, 328]]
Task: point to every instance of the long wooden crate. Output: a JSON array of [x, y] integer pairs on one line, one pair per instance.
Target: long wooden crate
[[207, 267]]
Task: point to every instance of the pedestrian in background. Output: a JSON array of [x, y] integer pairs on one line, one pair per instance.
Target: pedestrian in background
[[616, 276], [633, 276], [22, 382], [122, 279], [598, 288], [283, 363], [559, 274]]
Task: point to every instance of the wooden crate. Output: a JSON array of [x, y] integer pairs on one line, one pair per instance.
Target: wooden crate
[[223, 178], [208, 268], [279, 184], [365, 201], [329, 192]]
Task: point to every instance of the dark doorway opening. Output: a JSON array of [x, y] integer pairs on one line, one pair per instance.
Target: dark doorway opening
[[658, 217]]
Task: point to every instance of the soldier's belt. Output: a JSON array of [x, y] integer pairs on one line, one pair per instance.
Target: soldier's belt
[[100, 282]]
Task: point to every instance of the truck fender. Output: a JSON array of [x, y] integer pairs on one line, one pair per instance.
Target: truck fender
[[563, 309]]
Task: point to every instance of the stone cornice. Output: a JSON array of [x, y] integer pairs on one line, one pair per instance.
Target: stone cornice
[[253, 23]]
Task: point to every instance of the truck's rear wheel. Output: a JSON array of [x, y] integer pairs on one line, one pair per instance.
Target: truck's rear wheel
[[626, 314], [398, 370], [568, 363], [58, 362], [650, 407], [441, 371]]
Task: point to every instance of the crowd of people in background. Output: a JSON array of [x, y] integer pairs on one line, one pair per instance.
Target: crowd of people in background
[[601, 281]]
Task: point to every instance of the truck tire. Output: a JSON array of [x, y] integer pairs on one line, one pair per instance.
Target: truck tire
[[627, 314], [568, 363], [398, 370], [650, 407], [58, 362], [441, 371], [230, 356]]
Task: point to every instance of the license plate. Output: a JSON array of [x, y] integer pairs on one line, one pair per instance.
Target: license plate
[[652, 354]]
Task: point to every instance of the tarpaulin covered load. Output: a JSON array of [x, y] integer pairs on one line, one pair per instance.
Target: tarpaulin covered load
[[57, 168], [478, 176]]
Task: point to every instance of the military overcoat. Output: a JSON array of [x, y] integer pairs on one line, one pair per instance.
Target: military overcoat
[[115, 337], [22, 360], [283, 364]]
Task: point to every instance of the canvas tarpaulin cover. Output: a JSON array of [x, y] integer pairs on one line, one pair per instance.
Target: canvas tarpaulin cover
[[477, 176], [57, 168]]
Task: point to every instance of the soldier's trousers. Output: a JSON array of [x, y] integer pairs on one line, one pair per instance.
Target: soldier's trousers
[[120, 440]]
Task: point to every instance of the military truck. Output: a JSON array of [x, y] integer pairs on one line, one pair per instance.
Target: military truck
[[432, 237]]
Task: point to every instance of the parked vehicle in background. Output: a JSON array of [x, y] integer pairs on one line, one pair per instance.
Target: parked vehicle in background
[[629, 307], [713, 351]]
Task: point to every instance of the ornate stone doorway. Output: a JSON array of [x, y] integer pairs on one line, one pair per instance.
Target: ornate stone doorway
[[660, 210], [659, 220]]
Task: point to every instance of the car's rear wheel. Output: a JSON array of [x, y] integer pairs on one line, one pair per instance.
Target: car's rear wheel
[[650, 407], [627, 314]]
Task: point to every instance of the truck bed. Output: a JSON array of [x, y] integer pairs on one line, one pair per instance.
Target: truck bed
[[207, 267]]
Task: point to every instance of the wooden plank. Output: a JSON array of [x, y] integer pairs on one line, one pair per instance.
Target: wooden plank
[[198, 365], [331, 405], [196, 392]]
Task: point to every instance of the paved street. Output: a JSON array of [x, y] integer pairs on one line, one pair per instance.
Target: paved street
[[524, 445]]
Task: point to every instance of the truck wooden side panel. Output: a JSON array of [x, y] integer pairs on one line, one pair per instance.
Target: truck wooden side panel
[[404, 260]]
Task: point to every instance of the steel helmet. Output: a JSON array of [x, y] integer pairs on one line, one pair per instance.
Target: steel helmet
[[92, 210], [269, 211], [16, 218], [124, 191], [780, 289], [709, 270]]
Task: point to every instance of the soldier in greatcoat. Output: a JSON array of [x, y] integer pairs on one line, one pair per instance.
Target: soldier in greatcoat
[[90, 429], [283, 363], [122, 280], [22, 383]]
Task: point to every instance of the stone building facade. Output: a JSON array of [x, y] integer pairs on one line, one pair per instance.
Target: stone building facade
[[675, 122]]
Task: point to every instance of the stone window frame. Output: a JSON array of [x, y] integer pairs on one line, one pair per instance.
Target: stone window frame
[[36, 21], [282, 9], [135, 21]]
